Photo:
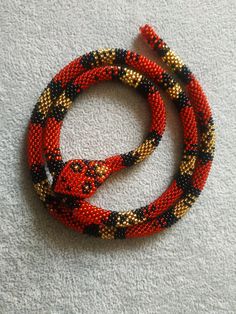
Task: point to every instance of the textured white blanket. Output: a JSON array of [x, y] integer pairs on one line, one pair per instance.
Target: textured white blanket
[[46, 268]]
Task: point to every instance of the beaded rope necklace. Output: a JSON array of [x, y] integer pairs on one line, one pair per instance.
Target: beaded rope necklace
[[76, 180]]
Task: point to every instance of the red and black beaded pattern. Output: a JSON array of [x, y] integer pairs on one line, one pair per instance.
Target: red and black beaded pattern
[[74, 181]]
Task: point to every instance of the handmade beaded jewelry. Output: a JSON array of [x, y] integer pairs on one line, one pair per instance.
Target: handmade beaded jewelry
[[76, 180]]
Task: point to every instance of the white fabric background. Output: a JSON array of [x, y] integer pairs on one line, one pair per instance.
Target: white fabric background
[[46, 268]]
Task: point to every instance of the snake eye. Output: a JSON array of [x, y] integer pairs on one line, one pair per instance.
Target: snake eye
[[76, 167]]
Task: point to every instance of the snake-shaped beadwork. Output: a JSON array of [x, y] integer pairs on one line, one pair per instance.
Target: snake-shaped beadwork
[[76, 180]]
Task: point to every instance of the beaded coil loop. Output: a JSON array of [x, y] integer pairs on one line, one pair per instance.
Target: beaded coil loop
[[74, 181]]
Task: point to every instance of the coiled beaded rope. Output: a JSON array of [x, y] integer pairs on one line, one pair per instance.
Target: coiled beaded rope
[[76, 180]]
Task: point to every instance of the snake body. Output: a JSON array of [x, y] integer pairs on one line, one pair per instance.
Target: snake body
[[76, 180]]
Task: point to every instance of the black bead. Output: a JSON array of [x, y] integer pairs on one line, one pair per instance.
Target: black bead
[[120, 233], [183, 181], [191, 152], [71, 201], [37, 117], [182, 101], [121, 73], [114, 74], [97, 183], [167, 219], [71, 91], [167, 81], [55, 166], [129, 159], [153, 135], [146, 87], [139, 212], [38, 173], [162, 51], [58, 112], [161, 47], [184, 74], [193, 191], [87, 60], [205, 157], [68, 188], [92, 229], [53, 201], [112, 219], [55, 89], [120, 56]]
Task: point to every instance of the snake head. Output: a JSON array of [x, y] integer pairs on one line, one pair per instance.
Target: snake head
[[81, 178]]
